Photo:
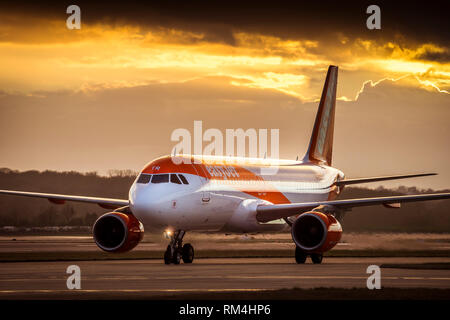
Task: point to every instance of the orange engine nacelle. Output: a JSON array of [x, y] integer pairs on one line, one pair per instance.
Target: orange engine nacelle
[[117, 232], [316, 232]]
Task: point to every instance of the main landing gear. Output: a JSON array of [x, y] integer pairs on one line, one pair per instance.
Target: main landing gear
[[176, 250], [300, 256]]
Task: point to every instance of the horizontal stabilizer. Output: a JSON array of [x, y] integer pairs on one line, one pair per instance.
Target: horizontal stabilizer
[[376, 179]]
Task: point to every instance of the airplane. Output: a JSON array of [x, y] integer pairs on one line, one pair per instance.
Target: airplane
[[236, 195]]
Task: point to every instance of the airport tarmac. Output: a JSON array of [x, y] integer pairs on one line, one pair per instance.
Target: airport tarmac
[[150, 278], [203, 241]]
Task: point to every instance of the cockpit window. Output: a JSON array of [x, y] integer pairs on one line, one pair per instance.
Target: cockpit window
[[160, 178], [174, 179], [144, 178], [183, 179]]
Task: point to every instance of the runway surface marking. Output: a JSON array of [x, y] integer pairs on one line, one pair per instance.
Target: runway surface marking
[[227, 277], [138, 290], [153, 278]]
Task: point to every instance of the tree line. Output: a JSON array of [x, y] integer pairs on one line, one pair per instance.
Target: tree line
[[432, 216]]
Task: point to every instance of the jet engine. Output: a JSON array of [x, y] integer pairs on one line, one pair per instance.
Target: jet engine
[[117, 232], [316, 232]]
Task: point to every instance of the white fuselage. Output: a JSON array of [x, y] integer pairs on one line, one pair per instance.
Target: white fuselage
[[223, 197]]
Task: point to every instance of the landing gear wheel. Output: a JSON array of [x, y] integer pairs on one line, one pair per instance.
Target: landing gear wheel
[[300, 255], [188, 253], [175, 250], [316, 258], [176, 259], [167, 256]]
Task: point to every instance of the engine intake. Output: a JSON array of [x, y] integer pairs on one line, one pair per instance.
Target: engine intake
[[316, 232], [117, 232]]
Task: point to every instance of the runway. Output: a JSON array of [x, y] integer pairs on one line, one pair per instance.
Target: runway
[[151, 278]]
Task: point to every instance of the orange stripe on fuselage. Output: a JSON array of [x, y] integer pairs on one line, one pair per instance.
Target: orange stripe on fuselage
[[218, 170]]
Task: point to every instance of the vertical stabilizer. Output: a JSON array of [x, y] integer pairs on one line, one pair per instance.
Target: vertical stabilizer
[[321, 144]]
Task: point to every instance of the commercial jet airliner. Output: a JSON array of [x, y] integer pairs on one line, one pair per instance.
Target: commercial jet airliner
[[231, 194]]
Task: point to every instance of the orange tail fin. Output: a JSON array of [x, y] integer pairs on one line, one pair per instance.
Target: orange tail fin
[[320, 148]]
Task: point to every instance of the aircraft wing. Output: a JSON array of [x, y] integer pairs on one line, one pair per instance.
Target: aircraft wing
[[375, 179], [266, 213], [106, 203]]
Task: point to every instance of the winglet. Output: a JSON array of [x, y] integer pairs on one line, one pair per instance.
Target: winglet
[[321, 144]]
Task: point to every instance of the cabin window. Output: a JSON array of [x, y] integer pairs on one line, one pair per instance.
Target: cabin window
[[144, 178], [174, 179], [183, 179], [160, 178]]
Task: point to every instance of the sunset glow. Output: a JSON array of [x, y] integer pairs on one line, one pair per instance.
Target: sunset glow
[[118, 87], [116, 56]]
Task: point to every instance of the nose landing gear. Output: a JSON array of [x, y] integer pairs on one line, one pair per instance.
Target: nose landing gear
[[176, 250]]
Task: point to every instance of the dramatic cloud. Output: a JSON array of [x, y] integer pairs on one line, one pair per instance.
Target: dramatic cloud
[[279, 46], [116, 89]]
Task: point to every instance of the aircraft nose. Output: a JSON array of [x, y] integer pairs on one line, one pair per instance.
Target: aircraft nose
[[148, 204], [145, 200]]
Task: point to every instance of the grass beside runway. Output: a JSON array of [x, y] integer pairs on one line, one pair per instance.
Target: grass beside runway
[[141, 255], [418, 266], [319, 294], [323, 293]]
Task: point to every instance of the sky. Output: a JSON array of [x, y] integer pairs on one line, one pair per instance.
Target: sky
[[108, 96]]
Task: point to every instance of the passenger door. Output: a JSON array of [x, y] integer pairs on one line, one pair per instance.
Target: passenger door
[[201, 173]]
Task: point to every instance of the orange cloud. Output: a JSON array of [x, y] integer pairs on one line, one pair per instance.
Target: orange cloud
[[42, 54]]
